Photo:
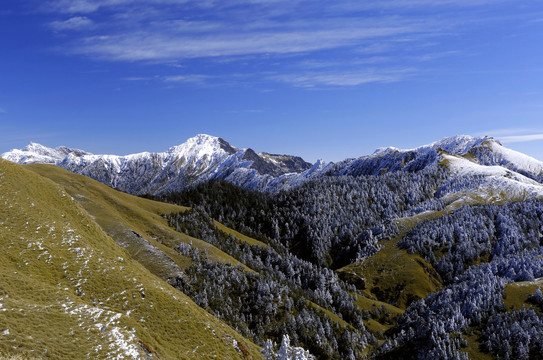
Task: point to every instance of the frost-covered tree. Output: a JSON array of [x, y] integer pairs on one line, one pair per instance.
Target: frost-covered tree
[[286, 351], [537, 297]]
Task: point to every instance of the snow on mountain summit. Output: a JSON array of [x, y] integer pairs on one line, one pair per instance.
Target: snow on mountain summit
[[37, 153], [487, 151], [202, 145], [204, 157], [459, 144], [37, 148], [495, 166], [199, 159]]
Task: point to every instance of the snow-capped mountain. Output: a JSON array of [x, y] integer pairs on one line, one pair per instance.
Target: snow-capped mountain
[[206, 157], [36, 153], [200, 158], [483, 150], [500, 172]]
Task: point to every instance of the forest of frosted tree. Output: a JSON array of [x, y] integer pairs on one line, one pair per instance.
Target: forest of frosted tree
[[325, 224]]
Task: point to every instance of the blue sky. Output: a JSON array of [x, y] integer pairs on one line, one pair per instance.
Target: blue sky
[[320, 79]]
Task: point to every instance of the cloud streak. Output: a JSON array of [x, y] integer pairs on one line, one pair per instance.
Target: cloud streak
[[168, 45], [90, 6], [191, 78], [520, 138], [515, 135], [340, 43], [74, 23], [348, 78], [164, 30], [507, 132]]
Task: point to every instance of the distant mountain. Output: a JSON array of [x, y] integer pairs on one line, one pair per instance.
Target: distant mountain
[[500, 171], [206, 157], [485, 151], [199, 159], [36, 153]]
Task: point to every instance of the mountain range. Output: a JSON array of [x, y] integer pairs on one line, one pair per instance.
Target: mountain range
[[197, 160], [204, 157], [431, 252]]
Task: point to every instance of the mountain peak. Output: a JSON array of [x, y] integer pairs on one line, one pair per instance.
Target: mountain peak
[[457, 144], [37, 148], [460, 144], [202, 139], [203, 144]]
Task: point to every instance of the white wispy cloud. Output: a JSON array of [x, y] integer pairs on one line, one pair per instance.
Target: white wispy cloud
[[151, 30], [73, 6], [372, 38], [520, 138], [138, 78], [514, 135], [508, 132], [89, 6], [388, 4], [350, 78], [167, 45], [74, 23], [189, 78], [438, 55], [2, 111]]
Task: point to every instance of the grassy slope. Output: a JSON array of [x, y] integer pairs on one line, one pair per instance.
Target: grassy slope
[[67, 291], [393, 276], [516, 294], [239, 235], [120, 215]]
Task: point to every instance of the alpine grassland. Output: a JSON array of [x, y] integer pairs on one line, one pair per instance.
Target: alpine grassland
[[68, 291]]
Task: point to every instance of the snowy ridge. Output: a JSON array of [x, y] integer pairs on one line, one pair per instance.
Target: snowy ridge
[[497, 183], [493, 153], [36, 153], [459, 144], [483, 150], [199, 159], [502, 174], [204, 157]]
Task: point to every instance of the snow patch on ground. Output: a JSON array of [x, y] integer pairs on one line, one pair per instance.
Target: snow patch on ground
[[521, 161], [496, 179], [122, 343]]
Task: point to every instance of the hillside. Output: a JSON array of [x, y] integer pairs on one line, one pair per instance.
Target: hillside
[[432, 252], [135, 224], [68, 291], [141, 226]]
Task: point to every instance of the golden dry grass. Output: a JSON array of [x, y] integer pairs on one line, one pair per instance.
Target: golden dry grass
[[67, 291], [119, 214], [516, 294], [392, 275]]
